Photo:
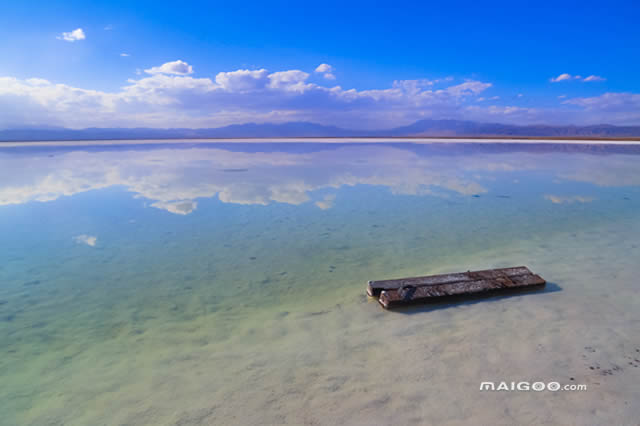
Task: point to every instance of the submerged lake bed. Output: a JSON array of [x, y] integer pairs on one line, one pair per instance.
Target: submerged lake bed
[[224, 283]]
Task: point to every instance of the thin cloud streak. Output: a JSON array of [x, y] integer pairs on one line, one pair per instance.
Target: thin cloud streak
[[569, 77]]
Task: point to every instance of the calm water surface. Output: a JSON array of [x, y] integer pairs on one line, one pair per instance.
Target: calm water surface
[[224, 284]]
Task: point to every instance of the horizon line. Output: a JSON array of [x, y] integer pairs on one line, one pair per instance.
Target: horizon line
[[382, 139]]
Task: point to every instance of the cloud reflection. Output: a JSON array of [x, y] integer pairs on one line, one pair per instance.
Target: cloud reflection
[[89, 240], [174, 179], [559, 199], [326, 202]]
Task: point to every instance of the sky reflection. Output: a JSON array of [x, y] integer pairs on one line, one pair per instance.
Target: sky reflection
[[174, 178]]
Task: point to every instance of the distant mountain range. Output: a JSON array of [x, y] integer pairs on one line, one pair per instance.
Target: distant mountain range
[[444, 128]]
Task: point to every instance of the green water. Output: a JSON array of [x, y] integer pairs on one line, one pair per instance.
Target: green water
[[224, 284]]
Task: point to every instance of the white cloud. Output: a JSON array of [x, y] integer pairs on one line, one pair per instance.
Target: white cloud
[[242, 80], [77, 34], [327, 71], [617, 108], [289, 80], [38, 82], [124, 55], [468, 88], [324, 68], [608, 102], [167, 96], [176, 67], [492, 98], [594, 78], [86, 239], [568, 77], [497, 113], [108, 27], [562, 77]]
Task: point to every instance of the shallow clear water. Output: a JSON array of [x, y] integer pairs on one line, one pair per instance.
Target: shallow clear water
[[224, 283]]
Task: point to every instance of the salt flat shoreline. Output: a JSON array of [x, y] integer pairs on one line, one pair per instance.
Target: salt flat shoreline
[[325, 140]]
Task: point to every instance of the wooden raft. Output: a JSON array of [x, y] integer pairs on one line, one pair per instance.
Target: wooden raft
[[403, 291]]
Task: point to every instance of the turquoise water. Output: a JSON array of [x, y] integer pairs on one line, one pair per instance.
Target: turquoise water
[[224, 283]]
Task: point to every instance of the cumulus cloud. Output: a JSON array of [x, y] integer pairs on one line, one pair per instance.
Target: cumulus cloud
[[326, 70], [289, 80], [124, 54], [170, 96], [77, 34], [242, 80], [176, 67]]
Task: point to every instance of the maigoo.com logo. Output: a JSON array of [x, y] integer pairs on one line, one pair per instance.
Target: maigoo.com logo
[[529, 386]]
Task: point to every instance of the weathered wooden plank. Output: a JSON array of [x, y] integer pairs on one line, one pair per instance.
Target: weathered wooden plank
[[374, 288], [478, 283]]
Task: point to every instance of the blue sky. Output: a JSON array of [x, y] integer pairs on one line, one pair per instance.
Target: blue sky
[[387, 63]]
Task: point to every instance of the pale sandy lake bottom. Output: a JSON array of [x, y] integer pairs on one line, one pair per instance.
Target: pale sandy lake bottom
[[187, 285]]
